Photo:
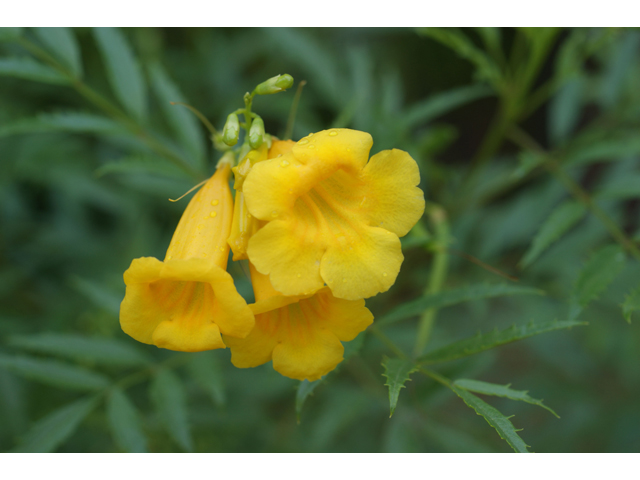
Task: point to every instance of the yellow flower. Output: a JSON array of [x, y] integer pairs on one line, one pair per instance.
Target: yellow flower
[[301, 334], [185, 302], [332, 217]]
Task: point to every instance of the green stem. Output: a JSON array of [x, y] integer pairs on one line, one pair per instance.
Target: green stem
[[387, 341], [292, 113], [436, 376], [438, 273]]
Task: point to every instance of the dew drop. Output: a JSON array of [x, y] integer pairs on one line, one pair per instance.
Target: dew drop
[[311, 146], [200, 227], [299, 275], [213, 214], [214, 202], [169, 257], [384, 274], [279, 155], [248, 215], [222, 249], [284, 163], [274, 214], [333, 133], [344, 280], [204, 255], [304, 141], [290, 191]]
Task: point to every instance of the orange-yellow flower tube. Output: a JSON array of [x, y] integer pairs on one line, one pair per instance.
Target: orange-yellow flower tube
[[301, 334], [185, 302]]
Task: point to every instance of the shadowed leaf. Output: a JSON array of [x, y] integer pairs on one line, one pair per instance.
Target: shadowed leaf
[[124, 421]]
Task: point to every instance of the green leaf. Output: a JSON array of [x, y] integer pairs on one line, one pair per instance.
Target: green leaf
[[75, 122], [452, 297], [170, 401], [124, 71], [54, 373], [485, 341], [305, 389], [623, 58], [527, 161], [8, 34], [631, 304], [557, 224], [601, 269], [62, 43], [98, 294], [497, 420], [442, 103], [141, 163], [125, 424], [464, 47], [625, 188], [29, 69], [398, 372], [103, 351], [206, 371], [500, 391], [182, 121], [604, 150], [49, 432], [564, 110]]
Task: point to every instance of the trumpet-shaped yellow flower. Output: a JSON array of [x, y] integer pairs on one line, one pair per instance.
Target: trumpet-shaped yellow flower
[[332, 217], [301, 334], [185, 302]]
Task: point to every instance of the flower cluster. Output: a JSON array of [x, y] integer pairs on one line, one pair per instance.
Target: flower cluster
[[319, 223]]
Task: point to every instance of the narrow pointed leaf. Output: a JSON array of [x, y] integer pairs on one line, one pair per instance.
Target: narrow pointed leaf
[[104, 351], [631, 304], [138, 163], [63, 44], [624, 188], [125, 424], [559, 222], [49, 432], [598, 273], [183, 122], [398, 372], [206, 371], [497, 420], [486, 388], [452, 297], [485, 341], [170, 401], [54, 373], [98, 293], [605, 150], [441, 103], [124, 71], [76, 122], [29, 69], [8, 34]]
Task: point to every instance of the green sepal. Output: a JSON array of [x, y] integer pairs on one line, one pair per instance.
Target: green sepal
[[231, 130], [256, 133], [276, 84]]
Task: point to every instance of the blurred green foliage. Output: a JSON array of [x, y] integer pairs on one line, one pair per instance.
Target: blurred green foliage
[[528, 146]]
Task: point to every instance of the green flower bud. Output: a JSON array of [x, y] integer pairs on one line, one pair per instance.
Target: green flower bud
[[231, 130], [256, 133], [275, 84]]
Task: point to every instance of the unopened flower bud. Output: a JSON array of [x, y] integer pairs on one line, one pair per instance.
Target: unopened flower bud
[[275, 84], [231, 130], [256, 133]]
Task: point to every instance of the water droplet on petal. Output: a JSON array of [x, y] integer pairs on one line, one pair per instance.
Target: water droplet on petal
[[213, 214], [274, 214], [222, 249], [384, 274], [200, 227], [299, 275], [284, 163], [214, 202], [204, 255], [311, 146], [304, 141], [333, 133], [344, 280], [169, 257]]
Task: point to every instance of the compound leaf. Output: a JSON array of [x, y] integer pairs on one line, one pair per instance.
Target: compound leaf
[[63, 44], [170, 400], [124, 422]]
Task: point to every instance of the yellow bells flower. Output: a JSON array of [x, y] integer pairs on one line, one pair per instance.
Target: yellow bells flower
[[332, 217], [301, 334], [185, 302]]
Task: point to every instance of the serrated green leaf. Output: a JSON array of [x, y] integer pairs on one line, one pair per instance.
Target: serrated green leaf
[[63, 44], [452, 297], [205, 369], [49, 432], [54, 373], [305, 389], [8, 34], [103, 351], [398, 372], [62, 122], [170, 401], [486, 388], [485, 341], [29, 69], [182, 121], [140, 163], [441, 103], [124, 422], [497, 420], [631, 304], [625, 188], [124, 71], [598, 273], [561, 220], [464, 47]]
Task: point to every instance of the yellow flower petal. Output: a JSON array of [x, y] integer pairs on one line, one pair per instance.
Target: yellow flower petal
[[332, 217], [185, 302], [302, 337]]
